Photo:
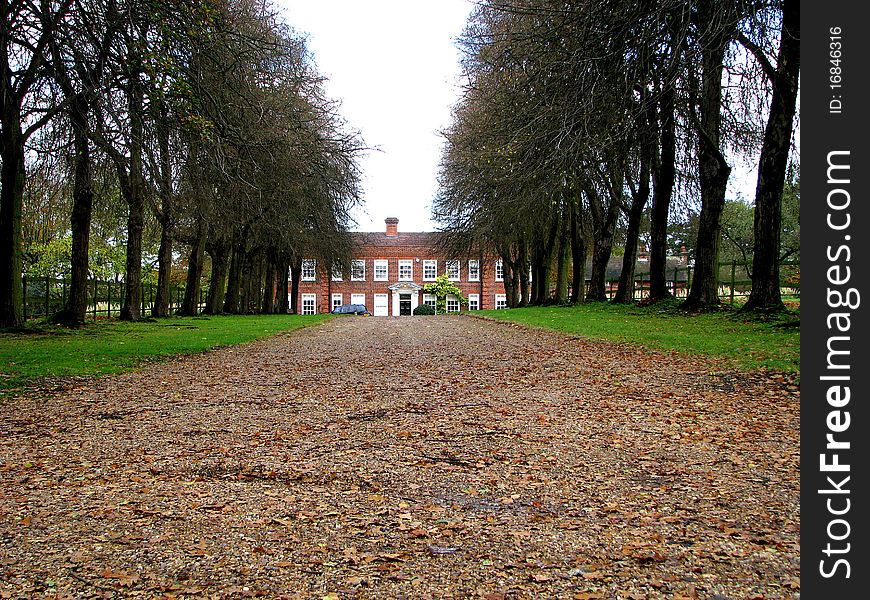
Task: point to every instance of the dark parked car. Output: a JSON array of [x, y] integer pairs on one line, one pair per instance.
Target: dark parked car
[[351, 309]]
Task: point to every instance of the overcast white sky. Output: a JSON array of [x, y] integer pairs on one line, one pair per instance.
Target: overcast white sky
[[394, 66]]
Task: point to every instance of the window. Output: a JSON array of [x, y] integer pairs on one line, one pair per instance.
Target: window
[[358, 270], [473, 301], [309, 269], [452, 268], [406, 270], [499, 270], [474, 270], [500, 301], [358, 299], [309, 304], [430, 270], [452, 304], [337, 300], [430, 300], [382, 270], [337, 275]]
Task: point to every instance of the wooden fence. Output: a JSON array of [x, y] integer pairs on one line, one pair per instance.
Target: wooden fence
[[734, 281]]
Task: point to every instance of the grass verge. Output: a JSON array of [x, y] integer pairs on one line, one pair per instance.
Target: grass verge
[[743, 341], [40, 351]]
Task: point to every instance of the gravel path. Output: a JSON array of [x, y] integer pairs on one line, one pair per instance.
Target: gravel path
[[447, 457]]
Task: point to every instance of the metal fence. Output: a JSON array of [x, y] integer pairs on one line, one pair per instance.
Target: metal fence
[[45, 296]]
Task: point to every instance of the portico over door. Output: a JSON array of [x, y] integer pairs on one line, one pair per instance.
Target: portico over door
[[406, 297]]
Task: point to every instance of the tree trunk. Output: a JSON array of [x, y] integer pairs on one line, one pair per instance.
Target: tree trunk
[[512, 274], [80, 218], [283, 304], [252, 284], [772, 166], [625, 289], [190, 304], [664, 176], [601, 249], [134, 194], [11, 199], [604, 225], [234, 283], [578, 253], [509, 280], [164, 266], [523, 262], [561, 295], [295, 275], [218, 278], [247, 276], [270, 287], [713, 172], [166, 217], [543, 257]]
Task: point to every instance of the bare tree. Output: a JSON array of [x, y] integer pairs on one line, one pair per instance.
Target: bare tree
[[25, 106], [783, 79], [716, 27], [79, 51]]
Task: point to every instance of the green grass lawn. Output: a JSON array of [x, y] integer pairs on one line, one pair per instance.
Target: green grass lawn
[[41, 350], [744, 342]]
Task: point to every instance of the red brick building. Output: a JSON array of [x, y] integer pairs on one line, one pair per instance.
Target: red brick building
[[389, 272]]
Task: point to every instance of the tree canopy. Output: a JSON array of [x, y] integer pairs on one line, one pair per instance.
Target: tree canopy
[[189, 127], [581, 122]]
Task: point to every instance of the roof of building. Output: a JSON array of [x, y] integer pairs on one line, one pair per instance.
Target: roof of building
[[423, 239]]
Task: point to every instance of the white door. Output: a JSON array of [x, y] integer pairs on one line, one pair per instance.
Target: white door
[[381, 304], [358, 299]]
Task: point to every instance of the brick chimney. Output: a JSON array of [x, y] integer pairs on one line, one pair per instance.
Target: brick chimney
[[392, 226]]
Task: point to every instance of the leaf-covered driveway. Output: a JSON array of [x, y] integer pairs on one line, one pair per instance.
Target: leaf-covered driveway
[[446, 457]]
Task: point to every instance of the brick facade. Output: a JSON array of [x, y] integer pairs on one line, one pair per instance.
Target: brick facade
[[395, 295]]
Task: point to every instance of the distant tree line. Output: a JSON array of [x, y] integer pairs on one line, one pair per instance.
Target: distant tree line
[[139, 130], [583, 123]]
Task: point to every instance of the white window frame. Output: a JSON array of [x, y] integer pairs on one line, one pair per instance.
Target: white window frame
[[410, 265], [499, 270], [456, 267], [431, 300], [433, 265], [500, 301], [309, 304], [385, 264], [473, 301], [357, 266], [474, 275], [337, 274], [451, 303], [339, 297], [358, 299], [309, 269], [386, 304]]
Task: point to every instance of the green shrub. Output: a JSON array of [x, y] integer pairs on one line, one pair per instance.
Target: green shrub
[[424, 309]]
